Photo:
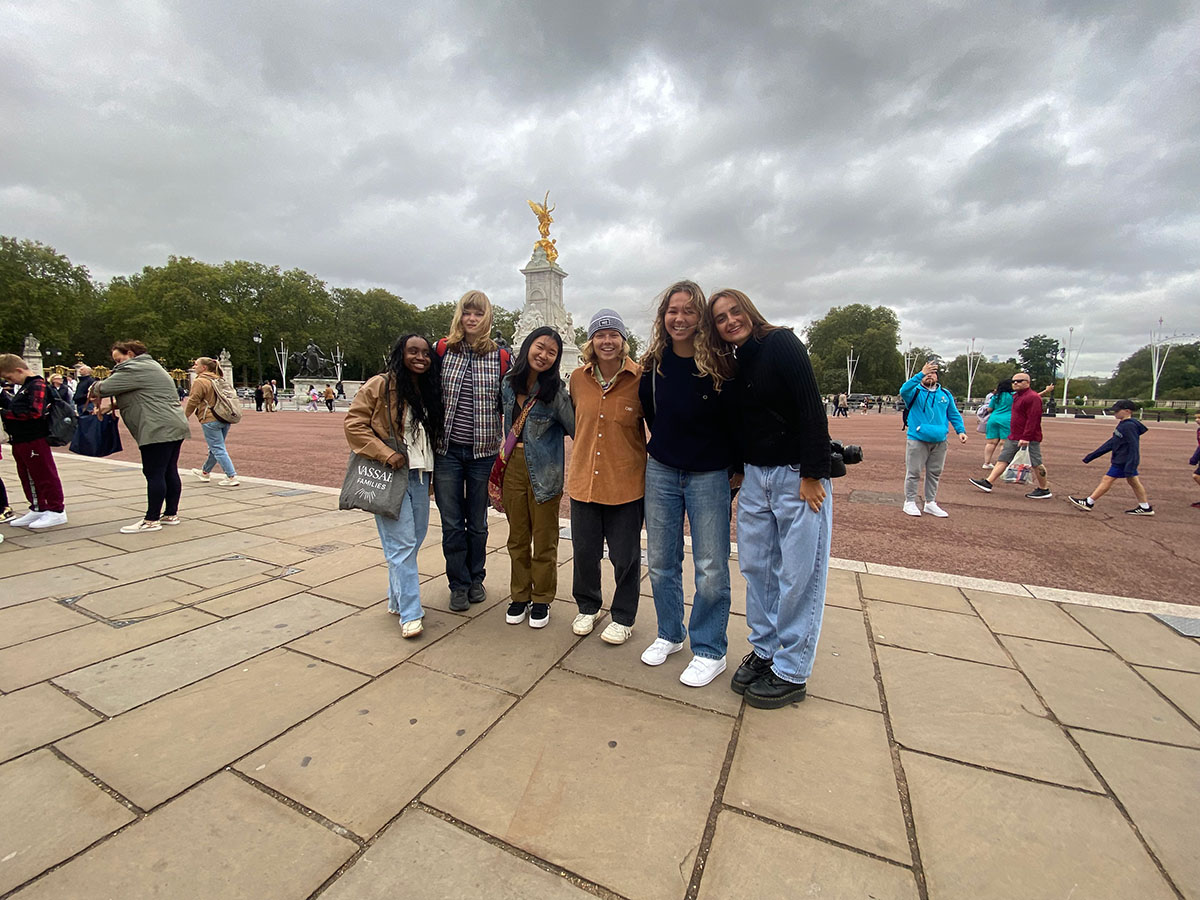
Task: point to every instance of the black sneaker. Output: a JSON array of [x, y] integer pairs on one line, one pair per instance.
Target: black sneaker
[[7, 513], [458, 601], [516, 613], [753, 667], [1039, 494], [476, 593], [982, 483], [771, 692], [1139, 511], [539, 615], [1082, 504]]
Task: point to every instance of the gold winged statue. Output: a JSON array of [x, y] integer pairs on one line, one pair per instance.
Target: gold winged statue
[[542, 211]]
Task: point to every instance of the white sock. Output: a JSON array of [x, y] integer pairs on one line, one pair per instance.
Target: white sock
[[1091, 502], [1144, 505]]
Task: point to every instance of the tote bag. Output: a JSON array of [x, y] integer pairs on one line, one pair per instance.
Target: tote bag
[[97, 436], [372, 486]]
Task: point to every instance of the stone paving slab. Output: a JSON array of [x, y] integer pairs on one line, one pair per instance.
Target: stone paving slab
[[1181, 688], [234, 602], [225, 571], [13, 562], [125, 600], [844, 750], [934, 631], [1094, 689], [37, 715], [914, 593], [50, 812], [1029, 617], [332, 566], [364, 588], [843, 669], [39, 618], [622, 802], [1146, 779], [841, 589], [978, 714], [754, 859], [1140, 639], [223, 839], [370, 641], [412, 859], [362, 760], [150, 560], [435, 593], [56, 654], [154, 752], [988, 836], [58, 583], [133, 678]]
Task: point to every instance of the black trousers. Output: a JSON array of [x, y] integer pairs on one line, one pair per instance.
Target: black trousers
[[592, 524], [160, 465]]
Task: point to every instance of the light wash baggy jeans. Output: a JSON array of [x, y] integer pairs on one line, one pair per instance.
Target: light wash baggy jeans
[[783, 552], [925, 455], [402, 539], [214, 435]]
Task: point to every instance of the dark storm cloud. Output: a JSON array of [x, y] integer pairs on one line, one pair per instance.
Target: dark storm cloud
[[989, 171]]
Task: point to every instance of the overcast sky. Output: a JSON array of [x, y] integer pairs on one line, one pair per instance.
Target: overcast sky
[[988, 170]]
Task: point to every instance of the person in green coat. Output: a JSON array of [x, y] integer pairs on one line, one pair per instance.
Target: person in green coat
[[149, 403]]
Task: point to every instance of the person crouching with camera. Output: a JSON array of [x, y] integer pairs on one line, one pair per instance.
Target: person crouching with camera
[[785, 509]]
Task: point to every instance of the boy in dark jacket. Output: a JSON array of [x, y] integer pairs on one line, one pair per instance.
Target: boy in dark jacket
[[25, 421], [1124, 446]]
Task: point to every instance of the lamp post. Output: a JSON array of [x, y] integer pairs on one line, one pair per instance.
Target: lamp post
[[257, 338], [851, 368]]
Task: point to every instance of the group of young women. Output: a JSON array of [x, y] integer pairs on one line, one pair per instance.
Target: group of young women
[[730, 402]]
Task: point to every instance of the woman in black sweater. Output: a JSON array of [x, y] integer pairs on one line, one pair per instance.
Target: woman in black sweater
[[785, 509]]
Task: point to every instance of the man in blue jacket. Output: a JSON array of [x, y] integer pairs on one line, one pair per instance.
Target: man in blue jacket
[[931, 412], [1125, 446]]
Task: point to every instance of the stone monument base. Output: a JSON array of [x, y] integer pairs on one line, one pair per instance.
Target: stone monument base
[[300, 389]]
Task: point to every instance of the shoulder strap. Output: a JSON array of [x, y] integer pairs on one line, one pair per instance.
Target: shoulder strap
[[441, 347], [505, 359]]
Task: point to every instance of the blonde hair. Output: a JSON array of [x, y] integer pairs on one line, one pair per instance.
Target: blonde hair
[[478, 301], [708, 362], [211, 364], [587, 353], [10, 362]]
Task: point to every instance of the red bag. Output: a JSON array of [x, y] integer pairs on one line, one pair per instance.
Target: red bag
[[496, 478]]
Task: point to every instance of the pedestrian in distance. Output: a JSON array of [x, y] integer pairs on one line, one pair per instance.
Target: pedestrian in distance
[[406, 400], [688, 470], [932, 412], [60, 388], [843, 406], [84, 383], [200, 402], [1025, 433], [1125, 447], [607, 477], [785, 507], [538, 413], [330, 396], [25, 420], [999, 421], [313, 396], [259, 398], [270, 395], [472, 365], [149, 403]]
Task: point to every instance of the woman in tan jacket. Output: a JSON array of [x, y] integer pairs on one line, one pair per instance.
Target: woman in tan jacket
[[413, 385], [200, 401]]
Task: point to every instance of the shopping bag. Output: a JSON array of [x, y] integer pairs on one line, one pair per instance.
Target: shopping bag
[[1020, 470], [373, 487], [96, 436]]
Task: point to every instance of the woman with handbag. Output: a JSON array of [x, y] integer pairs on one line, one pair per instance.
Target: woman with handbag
[[472, 366], [200, 401], [396, 419], [607, 477], [527, 477], [999, 421], [688, 473]]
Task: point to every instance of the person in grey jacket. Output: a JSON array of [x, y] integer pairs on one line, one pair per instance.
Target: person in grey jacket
[[149, 404]]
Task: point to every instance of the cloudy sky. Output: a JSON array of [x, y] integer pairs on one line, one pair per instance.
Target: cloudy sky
[[987, 170]]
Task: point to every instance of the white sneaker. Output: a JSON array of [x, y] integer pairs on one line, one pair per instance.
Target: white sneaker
[[910, 508], [584, 623], [934, 510], [616, 633], [24, 520], [169, 520], [201, 474], [229, 482], [139, 527], [656, 654], [49, 520], [701, 671]]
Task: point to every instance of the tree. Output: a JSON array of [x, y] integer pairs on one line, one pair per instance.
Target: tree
[[1040, 356], [953, 376], [504, 320], [369, 323], [41, 293], [1180, 374], [873, 332], [436, 319]]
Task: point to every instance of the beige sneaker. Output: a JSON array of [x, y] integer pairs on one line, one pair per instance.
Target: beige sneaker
[[616, 633], [584, 623], [201, 474], [169, 520], [139, 527], [411, 629], [229, 482]]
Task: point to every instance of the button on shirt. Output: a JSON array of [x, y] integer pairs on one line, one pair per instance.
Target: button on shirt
[[608, 460]]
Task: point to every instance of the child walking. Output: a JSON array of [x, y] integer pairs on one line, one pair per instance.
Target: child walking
[[28, 428], [1124, 446]]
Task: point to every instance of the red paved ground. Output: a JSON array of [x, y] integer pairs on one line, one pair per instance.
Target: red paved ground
[[1000, 535]]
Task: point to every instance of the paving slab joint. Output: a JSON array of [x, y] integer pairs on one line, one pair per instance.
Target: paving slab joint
[[307, 812], [710, 825]]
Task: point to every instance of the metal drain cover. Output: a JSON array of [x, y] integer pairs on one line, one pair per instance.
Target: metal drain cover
[[1188, 627]]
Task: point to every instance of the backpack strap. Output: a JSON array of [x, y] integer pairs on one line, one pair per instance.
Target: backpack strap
[[441, 348], [505, 359]]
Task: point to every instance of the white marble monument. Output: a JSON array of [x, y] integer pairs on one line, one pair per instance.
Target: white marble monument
[[544, 294]]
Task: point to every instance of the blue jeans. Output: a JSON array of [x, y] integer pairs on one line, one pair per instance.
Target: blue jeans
[[704, 497], [783, 552], [460, 488], [214, 436], [401, 539]]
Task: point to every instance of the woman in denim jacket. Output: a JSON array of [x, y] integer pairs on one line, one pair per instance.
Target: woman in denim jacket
[[533, 481]]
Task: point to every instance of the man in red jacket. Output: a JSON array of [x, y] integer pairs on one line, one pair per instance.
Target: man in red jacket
[[1024, 433]]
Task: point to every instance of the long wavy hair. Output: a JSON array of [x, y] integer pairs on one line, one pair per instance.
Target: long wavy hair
[[759, 327], [549, 381], [423, 394], [479, 302], [1004, 386], [707, 363]]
